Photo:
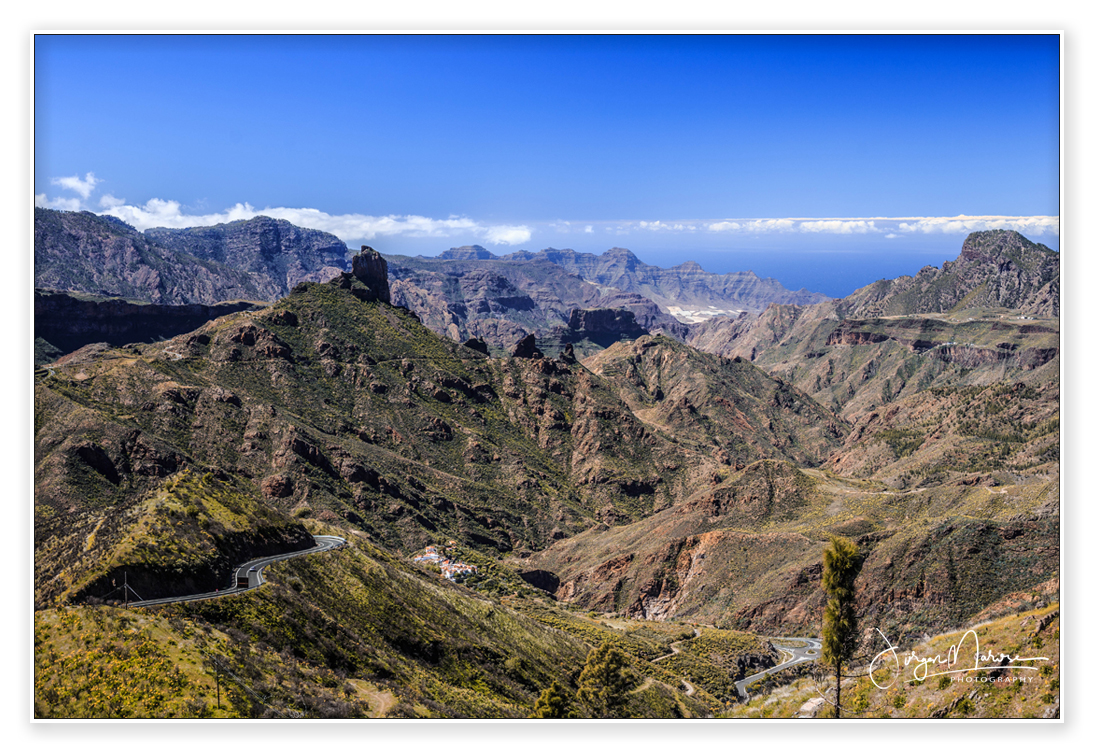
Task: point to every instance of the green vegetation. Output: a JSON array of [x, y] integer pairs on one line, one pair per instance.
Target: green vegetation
[[604, 682], [839, 633], [903, 441], [555, 702], [716, 659]]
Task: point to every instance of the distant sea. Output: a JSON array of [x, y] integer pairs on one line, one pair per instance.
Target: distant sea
[[834, 272]]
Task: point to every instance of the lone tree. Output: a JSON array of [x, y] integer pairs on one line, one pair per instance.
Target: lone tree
[[605, 681], [555, 702], [839, 634]]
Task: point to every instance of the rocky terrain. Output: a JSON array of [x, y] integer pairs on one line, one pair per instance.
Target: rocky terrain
[[632, 497], [996, 270], [685, 285], [947, 425], [260, 259], [468, 292], [276, 250], [82, 252]]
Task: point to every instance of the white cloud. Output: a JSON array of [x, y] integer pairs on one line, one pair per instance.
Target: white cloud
[[110, 201], [961, 224], [363, 227], [838, 226], [348, 227], [719, 227], [1037, 225], [73, 183], [658, 225], [750, 226], [508, 235], [766, 226], [62, 204]]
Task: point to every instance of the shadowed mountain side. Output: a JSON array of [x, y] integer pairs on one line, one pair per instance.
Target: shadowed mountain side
[[69, 323]]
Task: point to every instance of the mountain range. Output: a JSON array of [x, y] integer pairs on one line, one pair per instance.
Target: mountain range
[[463, 293], [669, 492]]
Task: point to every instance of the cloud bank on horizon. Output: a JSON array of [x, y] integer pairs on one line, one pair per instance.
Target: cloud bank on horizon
[[362, 227]]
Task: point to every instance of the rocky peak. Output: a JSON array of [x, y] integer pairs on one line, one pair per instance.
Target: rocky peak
[[271, 248], [690, 266], [526, 348], [465, 253], [624, 256], [371, 269], [999, 247]]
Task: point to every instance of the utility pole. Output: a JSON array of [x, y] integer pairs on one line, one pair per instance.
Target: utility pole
[[126, 589]]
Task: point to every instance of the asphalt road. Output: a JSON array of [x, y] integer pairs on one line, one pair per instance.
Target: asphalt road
[[323, 544], [798, 654]]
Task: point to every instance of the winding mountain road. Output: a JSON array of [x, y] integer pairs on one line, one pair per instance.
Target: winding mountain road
[[676, 647], [798, 654], [323, 544]]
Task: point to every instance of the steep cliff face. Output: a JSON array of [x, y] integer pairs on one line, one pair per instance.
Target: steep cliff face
[[686, 284], [87, 253], [69, 323], [464, 295], [276, 249]]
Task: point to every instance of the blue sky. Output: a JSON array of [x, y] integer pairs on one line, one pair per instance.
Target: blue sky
[[824, 161]]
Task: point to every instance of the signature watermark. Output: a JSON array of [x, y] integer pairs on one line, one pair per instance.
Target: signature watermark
[[961, 658]]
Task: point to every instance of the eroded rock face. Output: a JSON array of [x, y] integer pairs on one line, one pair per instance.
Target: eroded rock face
[[526, 348], [274, 249], [371, 269], [103, 256], [278, 485]]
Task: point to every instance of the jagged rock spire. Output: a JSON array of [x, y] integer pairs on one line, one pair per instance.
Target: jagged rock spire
[[371, 269]]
